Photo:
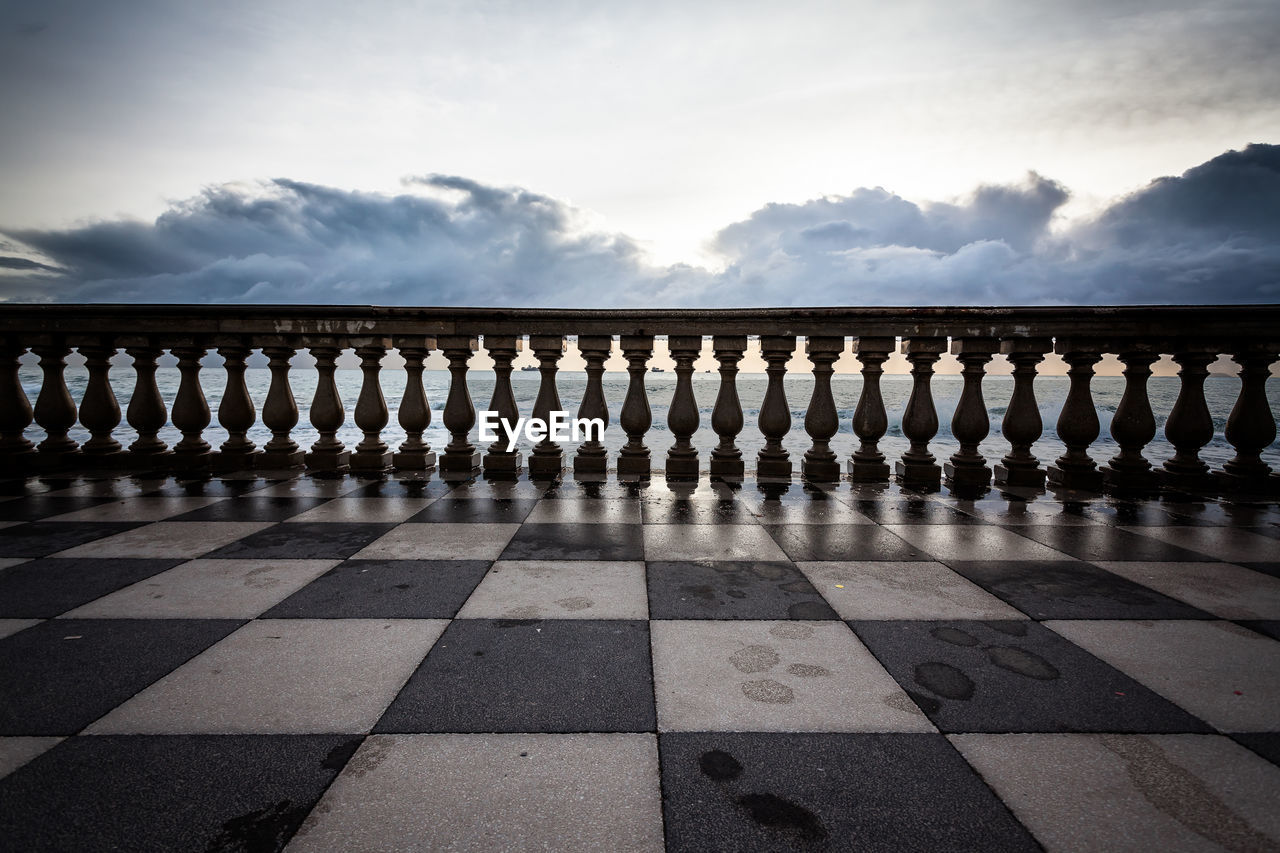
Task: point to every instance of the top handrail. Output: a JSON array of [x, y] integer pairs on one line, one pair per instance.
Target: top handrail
[[1224, 322]]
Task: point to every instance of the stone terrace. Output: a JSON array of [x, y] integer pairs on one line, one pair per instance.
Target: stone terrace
[[344, 664]]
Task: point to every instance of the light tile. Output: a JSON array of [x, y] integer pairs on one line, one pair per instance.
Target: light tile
[[1085, 792], [283, 676], [973, 542], [365, 510], [9, 627], [488, 792], [576, 511], [207, 589], [709, 542], [1232, 592], [570, 589], [17, 751], [6, 562], [307, 487], [181, 539], [137, 509], [1018, 513], [1224, 674], [903, 590], [111, 488], [1224, 543], [774, 676], [440, 542]]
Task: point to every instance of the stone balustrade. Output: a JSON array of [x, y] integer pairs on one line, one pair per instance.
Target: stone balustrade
[[1138, 336]]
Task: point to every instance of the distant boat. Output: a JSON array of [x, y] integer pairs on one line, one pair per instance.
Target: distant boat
[[656, 370], [529, 367]]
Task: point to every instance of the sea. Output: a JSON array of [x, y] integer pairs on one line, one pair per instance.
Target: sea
[[1220, 393]]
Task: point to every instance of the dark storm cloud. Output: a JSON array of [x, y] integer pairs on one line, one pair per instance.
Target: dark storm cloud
[[1210, 235], [296, 242]]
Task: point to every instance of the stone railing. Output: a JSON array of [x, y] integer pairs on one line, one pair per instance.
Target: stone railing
[[1194, 336]]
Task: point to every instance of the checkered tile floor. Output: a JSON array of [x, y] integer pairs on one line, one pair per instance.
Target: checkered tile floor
[[348, 665]]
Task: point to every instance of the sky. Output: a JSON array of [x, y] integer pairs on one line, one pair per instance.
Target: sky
[[642, 154]]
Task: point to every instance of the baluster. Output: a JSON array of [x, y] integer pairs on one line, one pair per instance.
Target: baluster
[[1022, 425], [280, 410], [372, 456], [99, 409], [636, 418], [191, 410], [1189, 426], [236, 412], [870, 422], [970, 424], [460, 460], [591, 457], [55, 411], [17, 453], [773, 462], [821, 420], [920, 419], [682, 415], [327, 454], [415, 414], [146, 412], [1251, 427], [547, 459], [498, 462], [1133, 425], [1078, 425], [726, 417]]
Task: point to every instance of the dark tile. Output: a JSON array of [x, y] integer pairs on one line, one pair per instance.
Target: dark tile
[[1072, 590], [41, 538], [907, 510], [169, 792], [210, 488], [29, 487], [401, 489], [476, 511], [1266, 744], [733, 590], [842, 542], [1014, 676], [1267, 627], [1128, 513], [757, 791], [530, 675], [706, 510], [304, 540], [36, 507], [576, 542], [385, 589], [250, 508], [1103, 542], [61, 675], [41, 589]]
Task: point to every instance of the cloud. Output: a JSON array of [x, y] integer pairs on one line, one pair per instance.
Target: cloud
[[1209, 235]]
